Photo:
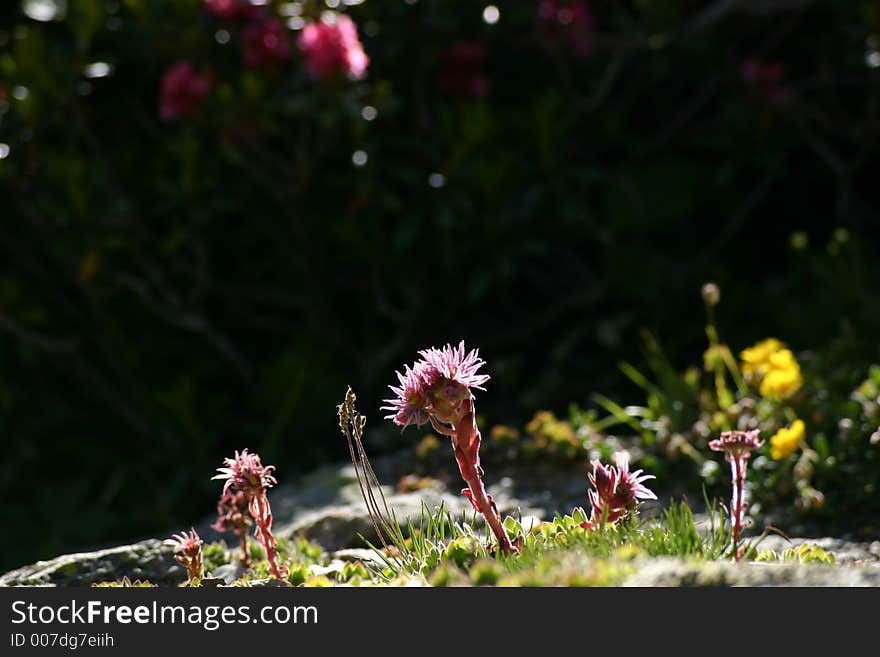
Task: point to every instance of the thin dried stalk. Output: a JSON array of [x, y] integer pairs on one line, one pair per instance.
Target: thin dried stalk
[[352, 424]]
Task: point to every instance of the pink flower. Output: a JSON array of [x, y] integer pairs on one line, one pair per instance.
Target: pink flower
[[265, 43], [437, 389], [189, 547], [435, 385], [333, 47], [616, 490], [737, 447], [232, 9], [569, 23], [246, 474], [182, 90], [737, 443], [462, 69]]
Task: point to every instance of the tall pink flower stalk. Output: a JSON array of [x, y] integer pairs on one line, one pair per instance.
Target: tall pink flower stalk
[[616, 490], [188, 553], [437, 389], [737, 447], [246, 474]]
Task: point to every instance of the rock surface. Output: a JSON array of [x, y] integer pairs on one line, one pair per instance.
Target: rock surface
[[665, 571], [147, 560]]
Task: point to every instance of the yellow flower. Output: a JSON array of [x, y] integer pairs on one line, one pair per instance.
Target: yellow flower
[[783, 376], [786, 440], [774, 366], [755, 358]]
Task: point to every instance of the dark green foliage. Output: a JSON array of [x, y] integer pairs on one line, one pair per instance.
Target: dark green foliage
[[170, 291]]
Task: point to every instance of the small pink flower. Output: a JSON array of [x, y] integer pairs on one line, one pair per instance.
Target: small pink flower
[[737, 447], [265, 44], [245, 473], [232, 9], [616, 490], [189, 547], [568, 23], [462, 69], [333, 47], [737, 443], [182, 90]]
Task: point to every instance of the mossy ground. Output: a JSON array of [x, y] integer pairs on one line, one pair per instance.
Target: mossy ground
[[443, 551]]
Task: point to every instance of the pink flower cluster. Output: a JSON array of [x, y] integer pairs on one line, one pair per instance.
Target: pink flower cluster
[[246, 474], [333, 47], [615, 490], [434, 388], [182, 90], [330, 47], [188, 545]]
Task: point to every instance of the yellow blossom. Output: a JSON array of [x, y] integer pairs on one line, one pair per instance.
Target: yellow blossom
[[771, 363], [786, 440], [783, 376], [755, 359]]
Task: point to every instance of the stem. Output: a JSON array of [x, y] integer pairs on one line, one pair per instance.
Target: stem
[[466, 443], [737, 502], [262, 513], [245, 557]]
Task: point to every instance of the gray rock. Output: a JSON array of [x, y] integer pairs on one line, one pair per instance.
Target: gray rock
[[228, 572], [327, 508], [670, 572], [147, 560]]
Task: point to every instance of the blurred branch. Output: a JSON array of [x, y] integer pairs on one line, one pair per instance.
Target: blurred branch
[[35, 339], [170, 311]]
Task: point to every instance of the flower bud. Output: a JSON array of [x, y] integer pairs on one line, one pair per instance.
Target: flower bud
[[711, 294]]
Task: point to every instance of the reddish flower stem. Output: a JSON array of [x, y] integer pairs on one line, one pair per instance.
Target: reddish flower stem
[[737, 500], [466, 443], [262, 513], [245, 558]]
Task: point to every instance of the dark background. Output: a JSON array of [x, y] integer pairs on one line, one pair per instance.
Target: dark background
[[173, 290]]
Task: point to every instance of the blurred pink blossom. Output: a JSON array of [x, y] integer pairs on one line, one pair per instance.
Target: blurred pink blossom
[[182, 90], [265, 43], [333, 47]]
